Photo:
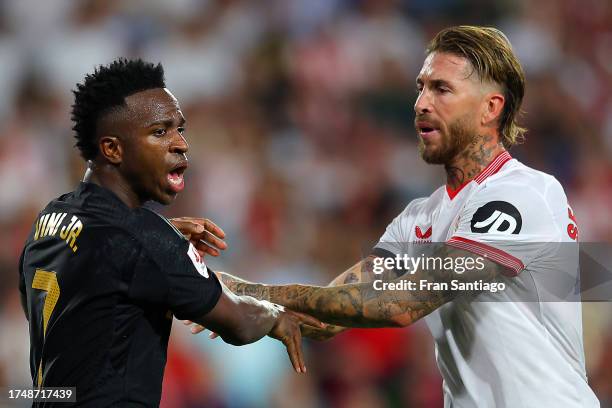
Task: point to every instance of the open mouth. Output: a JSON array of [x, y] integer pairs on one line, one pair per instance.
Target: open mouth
[[426, 129], [175, 177]]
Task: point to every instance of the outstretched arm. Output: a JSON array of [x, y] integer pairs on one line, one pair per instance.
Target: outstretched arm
[[361, 305], [361, 272]]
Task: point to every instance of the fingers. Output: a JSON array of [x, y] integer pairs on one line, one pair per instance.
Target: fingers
[[309, 320], [293, 342], [213, 228], [204, 234], [211, 239], [297, 340], [207, 224], [186, 227], [204, 249], [295, 354], [196, 328]]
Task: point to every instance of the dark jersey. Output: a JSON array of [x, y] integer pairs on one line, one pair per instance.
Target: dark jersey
[[100, 283]]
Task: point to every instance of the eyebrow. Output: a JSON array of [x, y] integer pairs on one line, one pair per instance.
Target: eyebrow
[[435, 82], [167, 122]]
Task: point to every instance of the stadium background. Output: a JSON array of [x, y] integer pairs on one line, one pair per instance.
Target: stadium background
[[302, 149]]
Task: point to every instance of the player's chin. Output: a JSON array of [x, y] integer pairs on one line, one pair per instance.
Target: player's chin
[[431, 153], [428, 150], [168, 197], [168, 190], [165, 195]]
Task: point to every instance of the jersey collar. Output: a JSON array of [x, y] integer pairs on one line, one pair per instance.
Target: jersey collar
[[492, 168]]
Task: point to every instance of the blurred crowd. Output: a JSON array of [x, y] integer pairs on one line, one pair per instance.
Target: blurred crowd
[[302, 148]]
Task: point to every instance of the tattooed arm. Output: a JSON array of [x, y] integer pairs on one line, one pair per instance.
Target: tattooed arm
[[360, 305], [357, 273], [361, 272]]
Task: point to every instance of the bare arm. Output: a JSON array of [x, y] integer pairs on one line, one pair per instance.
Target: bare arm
[[240, 320], [360, 305], [361, 272]]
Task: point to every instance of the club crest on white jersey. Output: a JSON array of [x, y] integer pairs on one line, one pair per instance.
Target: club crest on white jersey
[[197, 260]]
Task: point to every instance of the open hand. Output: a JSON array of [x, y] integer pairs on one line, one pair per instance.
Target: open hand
[[287, 329], [204, 234]]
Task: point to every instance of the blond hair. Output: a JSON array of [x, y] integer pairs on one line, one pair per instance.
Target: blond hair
[[493, 59]]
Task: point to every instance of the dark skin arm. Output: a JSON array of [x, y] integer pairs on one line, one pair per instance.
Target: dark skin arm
[[240, 320], [359, 305]]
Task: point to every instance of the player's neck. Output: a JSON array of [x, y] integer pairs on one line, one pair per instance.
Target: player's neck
[[109, 178], [472, 161]]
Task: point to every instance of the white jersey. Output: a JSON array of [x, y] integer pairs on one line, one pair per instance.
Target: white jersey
[[510, 348]]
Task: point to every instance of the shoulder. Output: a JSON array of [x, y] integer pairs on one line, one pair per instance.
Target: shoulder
[[524, 196], [523, 183], [140, 228], [154, 230]]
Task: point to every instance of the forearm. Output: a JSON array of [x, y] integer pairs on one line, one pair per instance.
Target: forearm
[[258, 318], [356, 305], [362, 305], [241, 319], [346, 305], [361, 272]]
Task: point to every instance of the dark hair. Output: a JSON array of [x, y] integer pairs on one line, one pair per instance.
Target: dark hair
[[105, 90], [491, 55]]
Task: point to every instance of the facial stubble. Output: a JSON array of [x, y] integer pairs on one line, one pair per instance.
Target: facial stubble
[[458, 138]]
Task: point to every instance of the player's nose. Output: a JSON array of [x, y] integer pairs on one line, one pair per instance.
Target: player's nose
[[179, 144], [423, 103]]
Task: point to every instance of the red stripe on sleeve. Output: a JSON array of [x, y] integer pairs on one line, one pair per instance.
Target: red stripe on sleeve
[[489, 252]]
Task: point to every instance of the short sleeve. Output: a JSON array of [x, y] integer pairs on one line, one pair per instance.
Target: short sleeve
[[510, 223], [170, 271]]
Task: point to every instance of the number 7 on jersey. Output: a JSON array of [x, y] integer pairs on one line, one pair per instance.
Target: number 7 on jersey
[[46, 281]]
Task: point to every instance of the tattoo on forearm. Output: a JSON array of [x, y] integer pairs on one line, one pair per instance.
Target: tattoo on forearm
[[360, 305], [256, 290]]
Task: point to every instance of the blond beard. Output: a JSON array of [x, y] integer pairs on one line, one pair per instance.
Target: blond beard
[[451, 146]]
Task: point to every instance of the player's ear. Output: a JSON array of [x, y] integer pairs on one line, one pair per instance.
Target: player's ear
[[111, 149], [493, 109]]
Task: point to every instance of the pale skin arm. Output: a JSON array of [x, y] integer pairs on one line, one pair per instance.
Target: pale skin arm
[[359, 305], [360, 272], [207, 237]]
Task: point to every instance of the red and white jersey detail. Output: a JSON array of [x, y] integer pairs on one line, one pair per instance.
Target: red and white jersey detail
[[498, 350]]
